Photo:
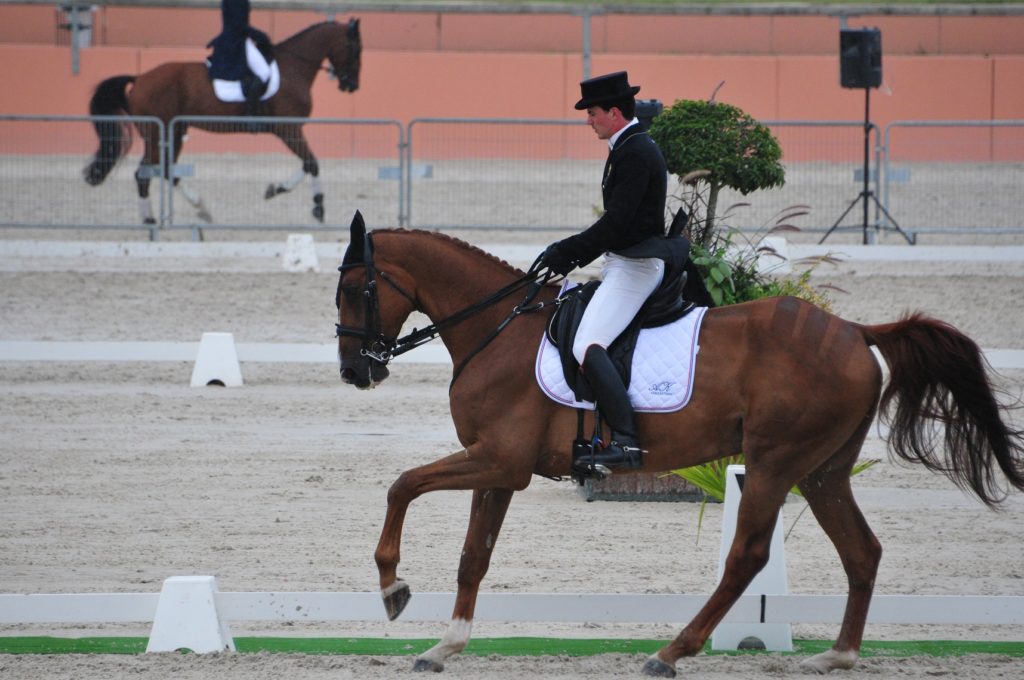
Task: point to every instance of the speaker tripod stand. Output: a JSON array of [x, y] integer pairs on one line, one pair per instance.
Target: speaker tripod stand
[[867, 195]]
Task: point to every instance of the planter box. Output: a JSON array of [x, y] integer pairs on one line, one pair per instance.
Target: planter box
[[645, 486]]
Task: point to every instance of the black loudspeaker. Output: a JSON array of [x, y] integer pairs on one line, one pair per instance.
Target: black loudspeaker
[[860, 57], [646, 110]]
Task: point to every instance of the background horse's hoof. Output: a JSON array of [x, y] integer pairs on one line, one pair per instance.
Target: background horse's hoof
[[656, 668], [395, 597], [273, 190], [149, 220], [318, 213], [423, 665]]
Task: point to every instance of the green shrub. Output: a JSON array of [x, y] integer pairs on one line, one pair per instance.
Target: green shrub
[[715, 145]]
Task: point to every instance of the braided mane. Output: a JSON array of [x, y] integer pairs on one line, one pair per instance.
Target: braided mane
[[459, 243]]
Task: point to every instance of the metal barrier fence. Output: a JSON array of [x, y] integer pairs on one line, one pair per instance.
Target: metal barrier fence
[[226, 175], [256, 181], [824, 164], [947, 177], [451, 174], [503, 173], [42, 160]]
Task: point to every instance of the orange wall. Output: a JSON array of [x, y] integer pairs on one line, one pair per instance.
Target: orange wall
[[621, 33], [407, 84]]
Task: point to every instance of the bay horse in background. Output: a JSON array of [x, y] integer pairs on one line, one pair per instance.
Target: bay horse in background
[[793, 387], [185, 88]]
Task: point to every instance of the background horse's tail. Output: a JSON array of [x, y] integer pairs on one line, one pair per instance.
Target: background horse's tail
[[938, 379], [115, 136]]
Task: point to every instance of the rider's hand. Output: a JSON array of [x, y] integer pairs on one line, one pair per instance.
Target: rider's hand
[[554, 259]]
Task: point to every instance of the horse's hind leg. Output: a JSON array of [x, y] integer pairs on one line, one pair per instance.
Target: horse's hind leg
[[148, 168], [486, 517], [828, 493], [758, 510]]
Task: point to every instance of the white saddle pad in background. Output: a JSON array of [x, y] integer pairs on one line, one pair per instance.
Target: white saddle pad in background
[[663, 366], [231, 90]]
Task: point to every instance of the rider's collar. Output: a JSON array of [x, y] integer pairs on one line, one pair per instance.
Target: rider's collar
[[614, 138]]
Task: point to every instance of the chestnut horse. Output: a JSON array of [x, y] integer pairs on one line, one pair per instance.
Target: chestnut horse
[[185, 89], [791, 386]]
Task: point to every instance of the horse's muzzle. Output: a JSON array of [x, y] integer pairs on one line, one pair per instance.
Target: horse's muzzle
[[365, 373]]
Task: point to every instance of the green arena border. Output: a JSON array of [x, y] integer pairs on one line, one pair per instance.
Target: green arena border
[[512, 646]]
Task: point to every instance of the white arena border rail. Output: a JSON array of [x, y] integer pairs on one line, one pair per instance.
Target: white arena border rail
[[532, 607], [566, 607], [271, 352], [507, 607]]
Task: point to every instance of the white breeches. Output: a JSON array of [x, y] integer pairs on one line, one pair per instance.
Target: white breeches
[[257, 64], [626, 283]]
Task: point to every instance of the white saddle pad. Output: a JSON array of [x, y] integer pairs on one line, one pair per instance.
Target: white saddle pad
[[663, 364], [231, 90]]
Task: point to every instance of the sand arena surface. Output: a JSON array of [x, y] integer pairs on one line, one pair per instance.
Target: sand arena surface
[[116, 476]]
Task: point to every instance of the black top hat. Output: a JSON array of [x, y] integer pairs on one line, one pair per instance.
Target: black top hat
[[604, 89]]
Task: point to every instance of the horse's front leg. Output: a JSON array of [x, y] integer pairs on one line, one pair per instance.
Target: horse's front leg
[[296, 142], [487, 515], [467, 469]]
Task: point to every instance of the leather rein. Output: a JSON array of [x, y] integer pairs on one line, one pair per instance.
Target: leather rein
[[378, 347]]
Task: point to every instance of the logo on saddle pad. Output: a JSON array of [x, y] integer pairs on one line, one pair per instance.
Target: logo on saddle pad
[[665, 387], [662, 368]]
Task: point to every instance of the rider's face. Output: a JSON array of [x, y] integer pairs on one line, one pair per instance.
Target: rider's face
[[605, 123]]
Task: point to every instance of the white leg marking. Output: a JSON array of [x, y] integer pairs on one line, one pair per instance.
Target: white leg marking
[[454, 641], [190, 194], [387, 592], [292, 181], [193, 197], [827, 661], [145, 209], [317, 187]]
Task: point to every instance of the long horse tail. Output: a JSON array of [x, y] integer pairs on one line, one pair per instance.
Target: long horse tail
[[938, 377], [109, 99]]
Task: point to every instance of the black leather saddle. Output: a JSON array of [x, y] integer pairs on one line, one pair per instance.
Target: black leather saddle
[[666, 305]]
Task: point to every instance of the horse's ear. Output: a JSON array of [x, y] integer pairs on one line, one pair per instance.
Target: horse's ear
[[353, 28], [357, 240]]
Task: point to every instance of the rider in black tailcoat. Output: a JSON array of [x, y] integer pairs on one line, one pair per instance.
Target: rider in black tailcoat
[[228, 61]]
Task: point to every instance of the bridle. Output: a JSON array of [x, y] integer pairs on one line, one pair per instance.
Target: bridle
[[352, 48], [353, 45], [376, 346]]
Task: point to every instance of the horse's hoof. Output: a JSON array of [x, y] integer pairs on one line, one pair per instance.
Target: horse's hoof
[[423, 665], [149, 220], [272, 191], [205, 215], [395, 597], [656, 668], [318, 213], [827, 661]]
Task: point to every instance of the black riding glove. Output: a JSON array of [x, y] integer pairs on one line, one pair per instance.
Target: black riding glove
[[554, 259]]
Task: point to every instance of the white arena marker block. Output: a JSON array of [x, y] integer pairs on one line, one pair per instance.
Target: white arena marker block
[[776, 637], [186, 618], [300, 254], [217, 362]]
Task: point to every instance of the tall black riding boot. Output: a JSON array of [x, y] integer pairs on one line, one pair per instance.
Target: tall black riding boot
[[253, 89], [623, 451]]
